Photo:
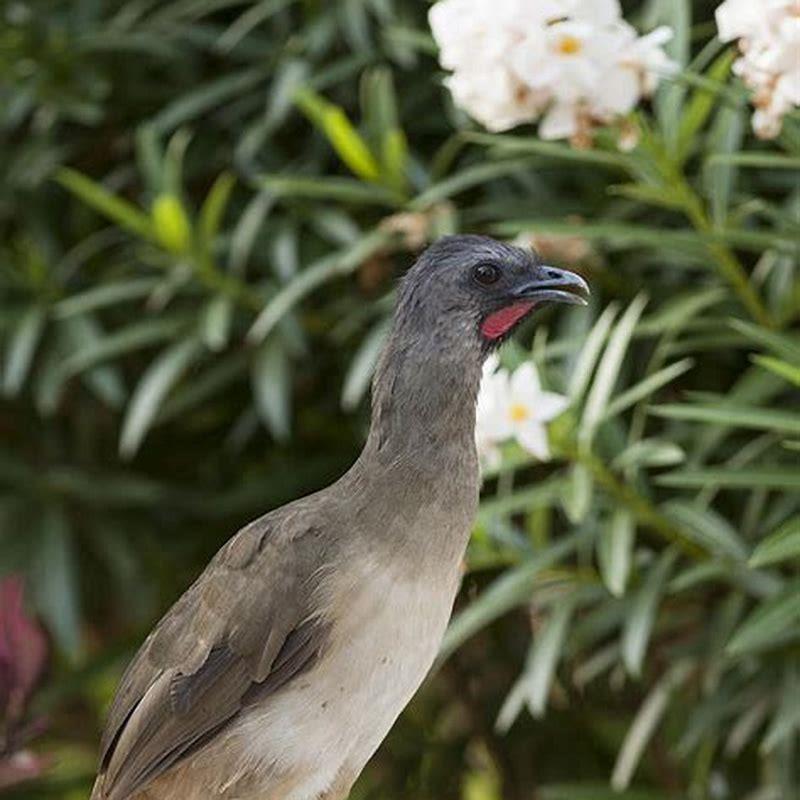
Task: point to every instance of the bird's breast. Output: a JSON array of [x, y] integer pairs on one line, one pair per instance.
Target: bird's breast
[[386, 632]]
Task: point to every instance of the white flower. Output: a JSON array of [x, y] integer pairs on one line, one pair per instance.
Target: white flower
[[516, 407], [493, 383], [571, 63], [769, 41]]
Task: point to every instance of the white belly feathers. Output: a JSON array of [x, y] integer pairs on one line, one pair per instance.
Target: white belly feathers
[[331, 719]]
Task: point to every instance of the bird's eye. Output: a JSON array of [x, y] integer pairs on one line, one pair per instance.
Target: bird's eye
[[486, 274]]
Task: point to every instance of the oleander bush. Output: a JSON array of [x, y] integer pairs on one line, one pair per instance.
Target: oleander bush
[[204, 208]]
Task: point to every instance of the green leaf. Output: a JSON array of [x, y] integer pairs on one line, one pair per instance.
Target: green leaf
[[155, 384], [193, 394], [774, 622], [577, 492], [699, 107], [765, 477], [318, 273], [757, 160], [508, 144], [533, 686], [647, 387], [395, 159], [547, 648], [385, 134], [720, 177], [111, 346], [661, 196], [677, 311], [780, 368], [781, 545], [615, 550], [627, 236], [363, 365], [649, 453], [644, 726], [254, 16], [21, 349], [215, 323], [213, 210], [272, 387], [541, 495], [708, 528], [55, 580], [344, 190], [104, 296], [469, 177], [786, 722], [171, 224], [81, 333], [608, 369], [677, 14], [593, 791], [190, 105], [510, 590], [781, 344], [753, 417], [344, 138], [641, 615], [125, 214], [590, 352]]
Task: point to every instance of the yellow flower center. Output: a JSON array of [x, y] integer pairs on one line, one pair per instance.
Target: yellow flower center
[[518, 412], [569, 45]]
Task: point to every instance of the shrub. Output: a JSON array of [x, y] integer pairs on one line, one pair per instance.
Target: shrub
[[204, 205]]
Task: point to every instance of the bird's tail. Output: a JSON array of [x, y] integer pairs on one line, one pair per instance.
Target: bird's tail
[[97, 791]]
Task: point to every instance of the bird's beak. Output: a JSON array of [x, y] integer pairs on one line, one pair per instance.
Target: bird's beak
[[555, 285]]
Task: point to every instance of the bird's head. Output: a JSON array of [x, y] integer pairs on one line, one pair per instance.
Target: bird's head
[[473, 291]]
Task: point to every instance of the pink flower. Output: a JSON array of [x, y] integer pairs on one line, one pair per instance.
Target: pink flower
[[23, 655]]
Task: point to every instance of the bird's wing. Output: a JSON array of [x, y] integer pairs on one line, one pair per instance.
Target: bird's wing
[[243, 629]]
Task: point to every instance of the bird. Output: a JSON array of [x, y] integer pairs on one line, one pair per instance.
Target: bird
[[279, 672]]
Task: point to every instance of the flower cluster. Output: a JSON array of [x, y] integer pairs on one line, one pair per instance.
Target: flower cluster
[[514, 406], [769, 41], [573, 63]]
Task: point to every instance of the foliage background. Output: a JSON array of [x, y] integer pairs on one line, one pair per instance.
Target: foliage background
[[197, 255]]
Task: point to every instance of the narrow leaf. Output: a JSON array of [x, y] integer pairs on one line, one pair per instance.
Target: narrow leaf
[[765, 419], [615, 550], [21, 349], [109, 205], [641, 615], [708, 528], [363, 365], [272, 387], [509, 591], [608, 369], [151, 390], [781, 545], [644, 725], [775, 622], [646, 387]]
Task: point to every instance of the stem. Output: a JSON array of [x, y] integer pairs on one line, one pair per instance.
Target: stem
[[728, 264], [641, 508]]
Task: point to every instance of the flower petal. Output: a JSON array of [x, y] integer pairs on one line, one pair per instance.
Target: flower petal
[[560, 122], [549, 405], [525, 386], [533, 438]]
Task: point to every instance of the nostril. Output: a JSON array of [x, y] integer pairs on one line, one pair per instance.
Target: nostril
[[552, 273]]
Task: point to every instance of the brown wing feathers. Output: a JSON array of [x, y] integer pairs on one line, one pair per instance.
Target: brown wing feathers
[[238, 634]]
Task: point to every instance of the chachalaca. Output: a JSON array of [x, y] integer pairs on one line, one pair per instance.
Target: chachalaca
[[283, 667]]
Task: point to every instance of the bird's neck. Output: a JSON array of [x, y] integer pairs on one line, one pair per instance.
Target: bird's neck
[[423, 405], [420, 458]]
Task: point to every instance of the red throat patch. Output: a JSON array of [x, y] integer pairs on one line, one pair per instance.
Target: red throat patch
[[495, 325]]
